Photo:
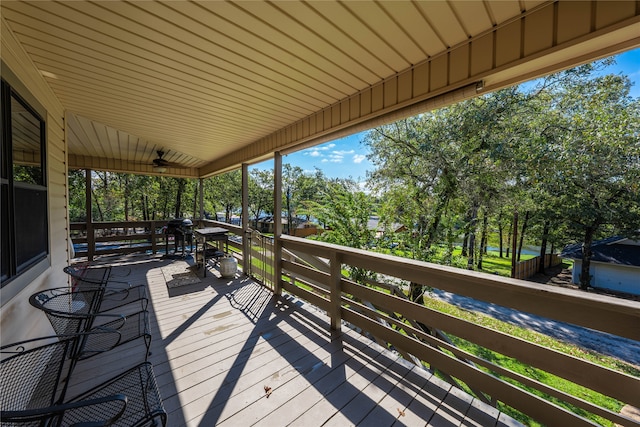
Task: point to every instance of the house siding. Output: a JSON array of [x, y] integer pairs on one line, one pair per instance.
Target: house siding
[[614, 277], [18, 319]]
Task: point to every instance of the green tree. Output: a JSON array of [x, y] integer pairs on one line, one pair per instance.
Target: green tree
[[425, 163], [260, 193], [589, 156], [345, 211], [227, 192], [77, 200]]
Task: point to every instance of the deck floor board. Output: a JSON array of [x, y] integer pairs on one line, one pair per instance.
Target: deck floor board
[[217, 343]]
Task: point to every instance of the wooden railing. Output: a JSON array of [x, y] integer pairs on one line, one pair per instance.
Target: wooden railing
[[527, 268], [314, 273], [124, 237], [116, 237]]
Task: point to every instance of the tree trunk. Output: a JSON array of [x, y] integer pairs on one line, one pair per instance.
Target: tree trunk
[[145, 208], [416, 293], [509, 240], [179, 192], [585, 276], [97, 204], [196, 213], [126, 201], [472, 238], [165, 207], [289, 216], [435, 222], [483, 238], [524, 228], [500, 234], [465, 242], [543, 247]]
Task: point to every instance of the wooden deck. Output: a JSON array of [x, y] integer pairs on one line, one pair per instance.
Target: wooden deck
[[218, 343]]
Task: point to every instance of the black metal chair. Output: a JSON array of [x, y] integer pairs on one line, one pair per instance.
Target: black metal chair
[[115, 294], [33, 390], [75, 312], [98, 275]]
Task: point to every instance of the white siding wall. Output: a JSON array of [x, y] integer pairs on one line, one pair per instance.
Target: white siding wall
[[619, 278], [18, 320]]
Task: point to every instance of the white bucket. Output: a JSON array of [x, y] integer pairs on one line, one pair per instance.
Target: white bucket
[[228, 266]]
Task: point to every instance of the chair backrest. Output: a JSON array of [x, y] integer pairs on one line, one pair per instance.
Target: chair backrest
[[68, 312], [31, 372], [94, 275]]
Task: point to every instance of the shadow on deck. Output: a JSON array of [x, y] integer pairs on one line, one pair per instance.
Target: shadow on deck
[[228, 352]]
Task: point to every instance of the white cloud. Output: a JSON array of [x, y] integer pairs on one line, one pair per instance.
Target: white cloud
[[317, 151], [336, 157], [359, 158], [343, 152]]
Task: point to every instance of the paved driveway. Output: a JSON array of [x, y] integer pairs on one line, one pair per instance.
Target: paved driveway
[[603, 343]]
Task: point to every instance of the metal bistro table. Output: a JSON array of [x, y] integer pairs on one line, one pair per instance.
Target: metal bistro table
[[210, 234]]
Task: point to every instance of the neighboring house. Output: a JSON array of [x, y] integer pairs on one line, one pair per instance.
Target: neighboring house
[[265, 224], [235, 219], [307, 229], [615, 264], [375, 225]]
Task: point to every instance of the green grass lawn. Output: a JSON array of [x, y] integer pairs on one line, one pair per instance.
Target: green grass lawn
[[542, 376], [491, 261]]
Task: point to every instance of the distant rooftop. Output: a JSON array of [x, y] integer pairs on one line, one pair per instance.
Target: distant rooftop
[[614, 250]]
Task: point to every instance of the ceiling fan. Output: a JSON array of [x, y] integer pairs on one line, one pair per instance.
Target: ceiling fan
[[160, 164]]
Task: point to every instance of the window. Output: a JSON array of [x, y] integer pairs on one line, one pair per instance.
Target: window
[[23, 203]]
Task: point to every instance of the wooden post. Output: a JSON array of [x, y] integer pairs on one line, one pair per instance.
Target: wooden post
[[201, 189], [152, 230], [246, 243], [335, 293], [91, 238], [277, 223]]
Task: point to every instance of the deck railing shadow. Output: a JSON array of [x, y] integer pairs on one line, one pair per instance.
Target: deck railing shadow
[[279, 321], [398, 322], [326, 374]]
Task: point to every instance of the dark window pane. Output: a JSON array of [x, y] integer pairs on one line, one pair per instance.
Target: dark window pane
[[31, 226], [23, 204], [4, 233], [26, 144]]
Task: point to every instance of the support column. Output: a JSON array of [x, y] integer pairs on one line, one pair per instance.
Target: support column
[[277, 223], [201, 190], [246, 234], [91, 238]]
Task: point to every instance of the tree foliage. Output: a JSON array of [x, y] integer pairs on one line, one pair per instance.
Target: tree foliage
[[563, 153]]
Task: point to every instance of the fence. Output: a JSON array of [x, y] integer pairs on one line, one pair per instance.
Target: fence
[[526, 269]]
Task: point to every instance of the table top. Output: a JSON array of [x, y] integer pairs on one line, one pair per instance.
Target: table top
[[210, 231]]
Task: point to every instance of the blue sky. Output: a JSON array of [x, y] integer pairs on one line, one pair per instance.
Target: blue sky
[[347, 157]]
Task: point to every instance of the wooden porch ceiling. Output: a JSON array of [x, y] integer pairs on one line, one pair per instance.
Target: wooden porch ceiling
[[215, 84]]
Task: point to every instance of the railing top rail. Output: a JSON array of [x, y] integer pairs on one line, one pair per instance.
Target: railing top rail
[[119, 224], [600, 312], [233, 228]]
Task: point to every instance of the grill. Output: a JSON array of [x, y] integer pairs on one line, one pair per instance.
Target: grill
[[182, 231]]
